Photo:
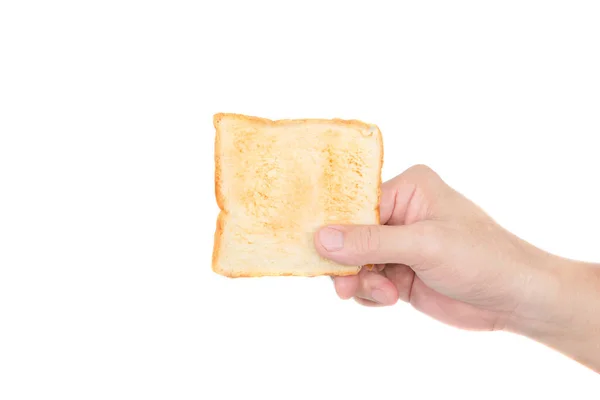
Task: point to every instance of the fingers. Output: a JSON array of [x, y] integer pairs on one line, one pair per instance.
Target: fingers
[[411, 196], [403, 277], [387, 201], [368, 288], [367, 303], [346, 286], [376, 288], [371, 288], [373, 244]]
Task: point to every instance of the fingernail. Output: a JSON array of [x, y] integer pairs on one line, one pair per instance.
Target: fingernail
[[379, 296], [331, 239]]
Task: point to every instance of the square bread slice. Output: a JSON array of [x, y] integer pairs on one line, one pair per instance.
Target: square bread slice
[[277, 182]]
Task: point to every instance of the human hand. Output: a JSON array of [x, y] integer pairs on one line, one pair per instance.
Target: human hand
[[438, 251]]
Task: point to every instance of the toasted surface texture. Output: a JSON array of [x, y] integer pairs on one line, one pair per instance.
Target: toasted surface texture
[[277, 182]]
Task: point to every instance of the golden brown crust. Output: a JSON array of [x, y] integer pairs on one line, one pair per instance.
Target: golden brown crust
[[217, 244], [241, 117], [218, 182], [221, 201], [244, 274]]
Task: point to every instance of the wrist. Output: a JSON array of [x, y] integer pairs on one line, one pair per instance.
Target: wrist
[[560, 307], [542, 305], [558, 296]]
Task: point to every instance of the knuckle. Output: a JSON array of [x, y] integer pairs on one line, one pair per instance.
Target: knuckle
[[421, 168], [425, 173], [367, 240]]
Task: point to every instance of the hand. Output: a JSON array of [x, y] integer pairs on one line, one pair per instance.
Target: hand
[[441, 253], [436, 250]]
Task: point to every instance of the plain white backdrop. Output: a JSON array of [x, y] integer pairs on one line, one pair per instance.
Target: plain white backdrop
[[107, 208]]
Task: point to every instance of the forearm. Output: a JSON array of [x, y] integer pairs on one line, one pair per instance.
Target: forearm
[[561, 309]]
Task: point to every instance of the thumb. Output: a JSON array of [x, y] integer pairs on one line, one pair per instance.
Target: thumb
[[372, 244]]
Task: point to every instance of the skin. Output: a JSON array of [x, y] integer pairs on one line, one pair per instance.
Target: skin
[[441, 253]]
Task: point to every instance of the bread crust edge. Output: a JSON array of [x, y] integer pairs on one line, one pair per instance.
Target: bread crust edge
[[350, 271]]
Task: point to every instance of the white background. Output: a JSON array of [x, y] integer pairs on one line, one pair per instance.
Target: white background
[[107, 196]]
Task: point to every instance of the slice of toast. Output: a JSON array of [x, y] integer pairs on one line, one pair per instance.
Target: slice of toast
[[277, 182]]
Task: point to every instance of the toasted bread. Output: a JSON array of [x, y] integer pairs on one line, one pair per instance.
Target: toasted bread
[[277, 182]]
